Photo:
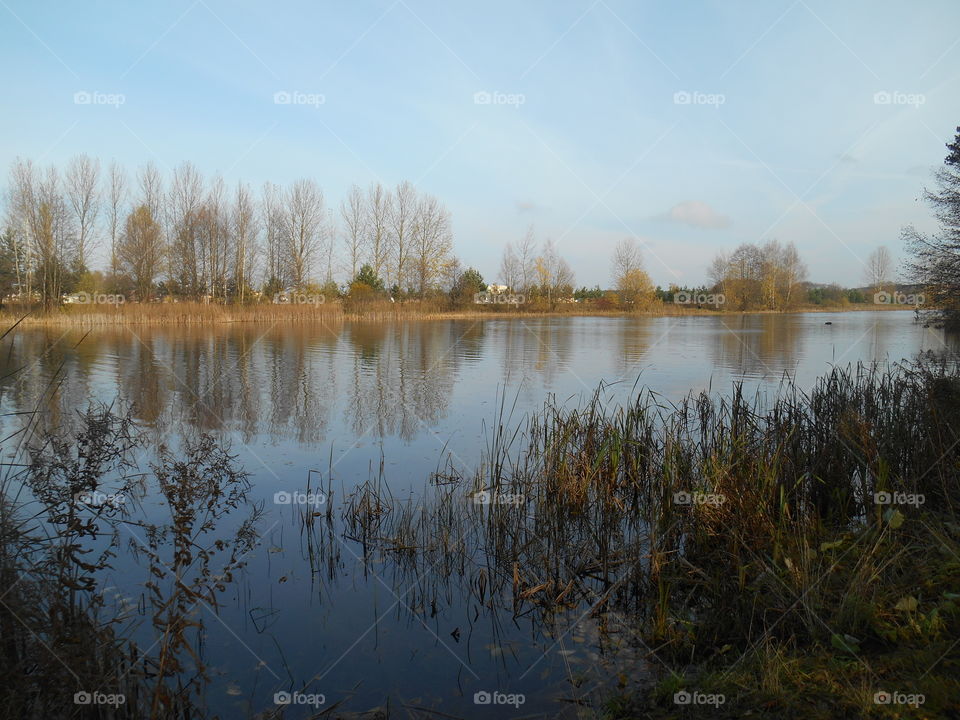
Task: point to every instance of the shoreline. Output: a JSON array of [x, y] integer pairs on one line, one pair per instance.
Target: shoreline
[[200, 314]]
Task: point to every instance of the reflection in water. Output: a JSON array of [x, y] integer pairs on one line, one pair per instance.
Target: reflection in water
[[306, 383], [414, 395]]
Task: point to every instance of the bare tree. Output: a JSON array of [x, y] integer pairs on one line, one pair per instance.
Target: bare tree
[[39, 209], [272, 219], [184, 215], [354, 217], [378, 213], [554, 273], [526, 260], [327, 244], [118, 196], [879, 268], [304, 217], [151, 189], [432, 243], [83, 193], [401, 218], [510, 268], [244, 227], [718, 271], [215, 240], [935, 257], [793, 271]]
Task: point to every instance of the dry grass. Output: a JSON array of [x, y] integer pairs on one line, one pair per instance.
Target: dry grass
[[193, 313]]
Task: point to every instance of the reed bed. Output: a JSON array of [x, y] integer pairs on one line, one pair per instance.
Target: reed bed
[[196, 313], [749, 546]]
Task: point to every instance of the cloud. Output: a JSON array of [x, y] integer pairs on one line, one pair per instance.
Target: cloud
[[696, 214]]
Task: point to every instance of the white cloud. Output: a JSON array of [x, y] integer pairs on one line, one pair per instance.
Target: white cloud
[[697, 214]]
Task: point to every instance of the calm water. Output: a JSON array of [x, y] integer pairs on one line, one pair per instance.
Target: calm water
[[342, 398]]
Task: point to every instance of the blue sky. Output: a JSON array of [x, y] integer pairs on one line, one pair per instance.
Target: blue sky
[[587, 136]]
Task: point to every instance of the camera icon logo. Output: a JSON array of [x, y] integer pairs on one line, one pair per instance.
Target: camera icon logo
[[282, 698], [682, 698], [481, 498], [482, 97], [482, 698], [682, 498], [882, 298], [882, 498], [281, 97], [882, 697], [282, 498], [682, 298], [82, 98], [681, 98], [82, 698], [882, 98]]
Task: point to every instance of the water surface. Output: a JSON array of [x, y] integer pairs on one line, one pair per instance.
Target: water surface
[[345, 398]]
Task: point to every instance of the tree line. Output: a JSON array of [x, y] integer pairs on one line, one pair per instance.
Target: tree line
[[194, 237]]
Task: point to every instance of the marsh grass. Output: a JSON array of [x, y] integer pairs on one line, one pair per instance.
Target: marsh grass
[[797, 593], [378, 310]]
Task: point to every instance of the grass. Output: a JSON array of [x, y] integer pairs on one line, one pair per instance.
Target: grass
[[194, 313], [789, 591]]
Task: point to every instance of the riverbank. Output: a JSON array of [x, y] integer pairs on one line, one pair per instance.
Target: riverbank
[[796, 560], [190, 313]]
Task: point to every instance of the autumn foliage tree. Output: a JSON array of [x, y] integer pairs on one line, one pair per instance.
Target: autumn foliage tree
[[141, 251]]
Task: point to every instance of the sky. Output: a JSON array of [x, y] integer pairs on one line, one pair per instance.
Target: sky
[[692, 127]]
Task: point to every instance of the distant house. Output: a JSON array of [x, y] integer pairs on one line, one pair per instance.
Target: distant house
[[72, 299], [497, 289], [284, 296]]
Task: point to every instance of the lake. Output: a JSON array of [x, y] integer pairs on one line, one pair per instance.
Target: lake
[[337, 405]]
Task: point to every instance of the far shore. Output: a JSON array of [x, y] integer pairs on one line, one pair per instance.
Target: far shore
[[192, 313]]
